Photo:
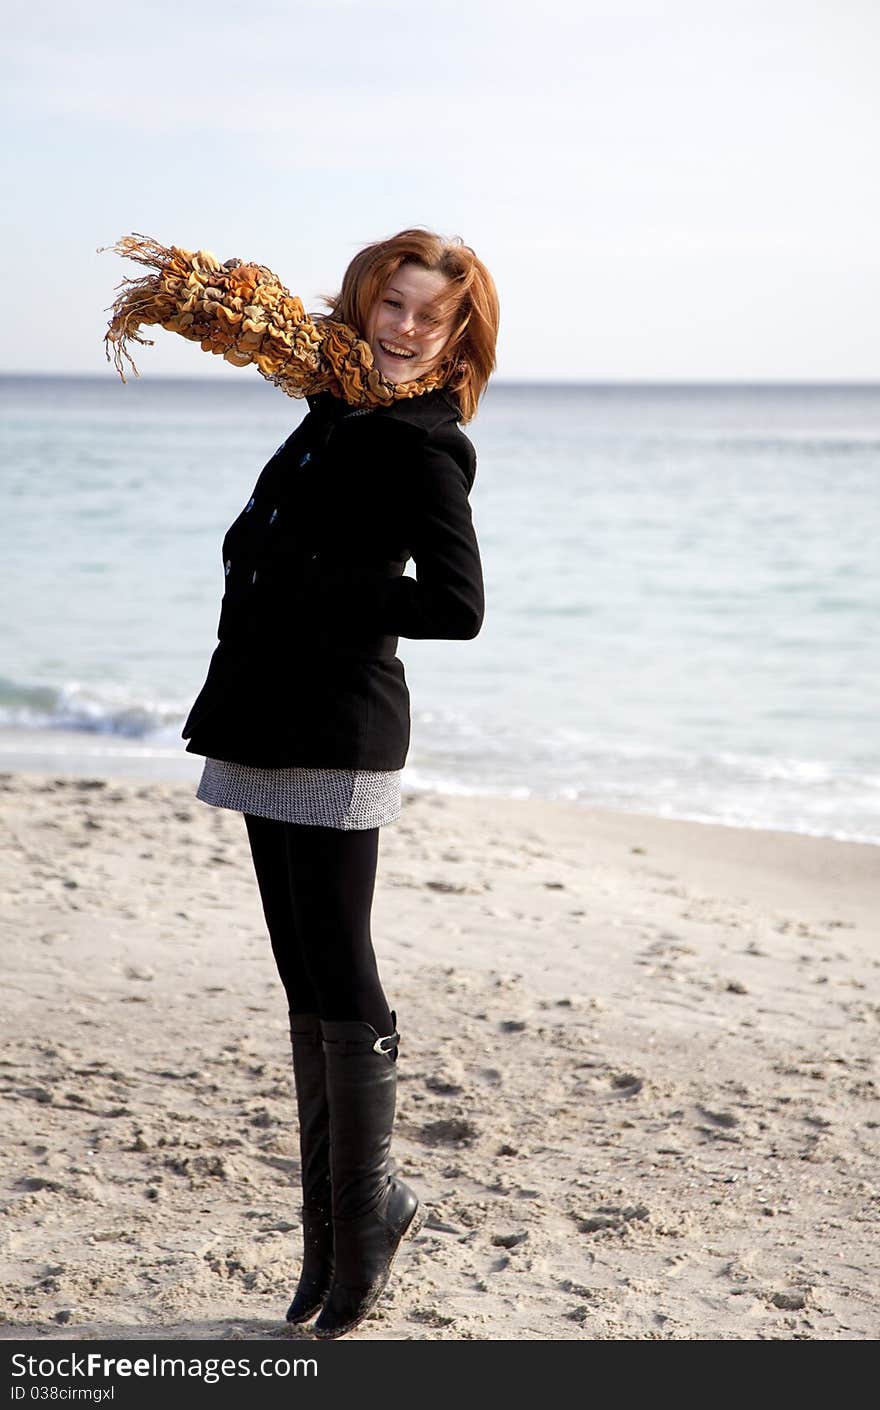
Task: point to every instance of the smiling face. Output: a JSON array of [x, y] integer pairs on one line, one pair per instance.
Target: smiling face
[[403, 332]]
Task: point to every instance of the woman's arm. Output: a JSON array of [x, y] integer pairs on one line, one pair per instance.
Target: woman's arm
[[445, 600]]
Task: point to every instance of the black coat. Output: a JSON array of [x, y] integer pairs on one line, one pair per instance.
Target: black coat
[[306, 670]]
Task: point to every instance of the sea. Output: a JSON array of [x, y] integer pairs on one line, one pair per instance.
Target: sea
[[682, 591]]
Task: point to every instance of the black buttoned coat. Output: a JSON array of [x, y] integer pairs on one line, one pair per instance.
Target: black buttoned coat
[[306, 670]]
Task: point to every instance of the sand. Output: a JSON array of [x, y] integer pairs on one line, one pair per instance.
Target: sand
[[637, 1074]]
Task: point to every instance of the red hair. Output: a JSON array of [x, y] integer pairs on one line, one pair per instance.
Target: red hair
[[471, 300]]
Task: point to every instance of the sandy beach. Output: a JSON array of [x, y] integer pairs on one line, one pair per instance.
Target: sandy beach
[[637, 1074]]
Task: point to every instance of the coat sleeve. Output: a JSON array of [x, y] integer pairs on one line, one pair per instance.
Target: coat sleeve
[[445, 600]]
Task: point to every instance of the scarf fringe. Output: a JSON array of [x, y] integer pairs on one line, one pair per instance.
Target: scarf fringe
[[246, 315]]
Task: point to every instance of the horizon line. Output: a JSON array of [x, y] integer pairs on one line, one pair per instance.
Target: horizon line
[[495, 381]]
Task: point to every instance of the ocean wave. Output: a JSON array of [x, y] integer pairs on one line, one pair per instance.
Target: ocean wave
[[472, 752], [74, 706], [783, 793]]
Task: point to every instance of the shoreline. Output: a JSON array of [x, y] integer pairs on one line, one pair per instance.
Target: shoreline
[[638, 1088], [32, 752]]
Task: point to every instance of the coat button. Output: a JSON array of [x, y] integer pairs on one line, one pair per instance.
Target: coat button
[[249, 506], [306, 458], [314, 556], [273, 516], [226, 567]]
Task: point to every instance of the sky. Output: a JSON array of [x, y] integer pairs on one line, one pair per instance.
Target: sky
[[663, 190]]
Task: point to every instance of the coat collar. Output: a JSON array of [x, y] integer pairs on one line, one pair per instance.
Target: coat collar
[[427, 412]]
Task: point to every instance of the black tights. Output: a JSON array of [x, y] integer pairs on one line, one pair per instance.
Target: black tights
[[316, 885]]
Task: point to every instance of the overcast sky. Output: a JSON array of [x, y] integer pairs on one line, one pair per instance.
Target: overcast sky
[[662, 189]]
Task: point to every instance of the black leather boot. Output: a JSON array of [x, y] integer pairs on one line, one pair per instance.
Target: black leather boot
[[314, 1146], [372, 1209]]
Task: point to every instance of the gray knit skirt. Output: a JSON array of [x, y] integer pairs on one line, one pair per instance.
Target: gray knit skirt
[[345, 798]]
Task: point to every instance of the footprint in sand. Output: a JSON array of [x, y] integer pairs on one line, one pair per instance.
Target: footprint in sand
[[611, 1216], [725, 1119], [451, 1131], [445, 1083], [511, 1240]]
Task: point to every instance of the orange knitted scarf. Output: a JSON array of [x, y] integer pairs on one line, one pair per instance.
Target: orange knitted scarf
[[245, 313]]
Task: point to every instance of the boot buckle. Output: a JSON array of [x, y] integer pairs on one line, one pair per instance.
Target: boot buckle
[[392, 1040]]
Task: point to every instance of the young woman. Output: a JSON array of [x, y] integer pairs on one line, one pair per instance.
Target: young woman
[[304, 716]]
